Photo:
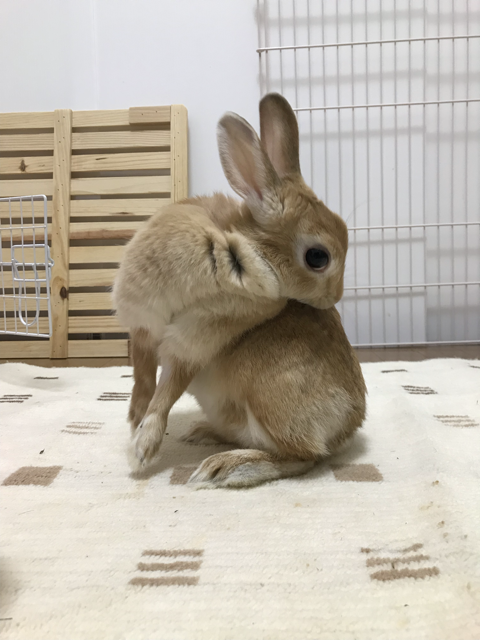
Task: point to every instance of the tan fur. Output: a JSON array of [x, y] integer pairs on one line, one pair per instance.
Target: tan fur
[[221, 292]]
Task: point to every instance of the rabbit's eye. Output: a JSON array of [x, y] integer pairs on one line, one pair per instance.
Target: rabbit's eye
[[317, 258]]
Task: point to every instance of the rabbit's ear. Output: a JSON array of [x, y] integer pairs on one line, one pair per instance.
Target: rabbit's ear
[[246, 165], [279, 133]]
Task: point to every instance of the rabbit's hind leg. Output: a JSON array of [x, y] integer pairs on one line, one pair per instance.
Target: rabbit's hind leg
[[203, 432], [145, 364], [246, 468]]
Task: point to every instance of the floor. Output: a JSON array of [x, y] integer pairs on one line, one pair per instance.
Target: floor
[[470, 352]]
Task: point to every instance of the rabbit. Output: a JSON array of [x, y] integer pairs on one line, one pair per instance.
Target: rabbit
[[236, 300]]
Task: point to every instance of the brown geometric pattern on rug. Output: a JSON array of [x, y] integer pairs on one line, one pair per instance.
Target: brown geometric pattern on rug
[[127, 376], [457, 421], [176, 566], [474, 366], [424, 391], [356, 473], [394, 370], [395, 560], [113, 396], [46, 378], [15, 398], [40, 476], [181, 474], [83, 428]]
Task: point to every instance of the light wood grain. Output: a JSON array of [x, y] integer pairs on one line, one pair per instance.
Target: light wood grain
[[9, 324], [118, 206], [95, 324], [60, 232], [26, 206], [39, 348], [105, 230], [82, 231], [128, 185], [148, 115], [179, 150], [26, 142], [91, 135], [27, 165], [98, 348], [121, 161], [92, 277], [90, 301], [26, 255], [92, 255], [114, 118], [120, 139], [28, 304], [26, 120], [27, 236], [11, 188]]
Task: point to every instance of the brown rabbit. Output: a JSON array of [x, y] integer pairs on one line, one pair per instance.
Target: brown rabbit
[[236, 299]]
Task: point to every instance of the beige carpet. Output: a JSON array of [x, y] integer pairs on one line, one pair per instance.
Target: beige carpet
[[382, 542]]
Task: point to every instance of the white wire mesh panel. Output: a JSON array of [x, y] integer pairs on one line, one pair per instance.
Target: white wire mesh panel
[[25, 267], [387, 95]]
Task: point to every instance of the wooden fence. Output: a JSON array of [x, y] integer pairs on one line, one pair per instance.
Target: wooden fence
[[104, 173]]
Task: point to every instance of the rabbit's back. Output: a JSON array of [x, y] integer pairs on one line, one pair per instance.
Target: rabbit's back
[[297, 376]]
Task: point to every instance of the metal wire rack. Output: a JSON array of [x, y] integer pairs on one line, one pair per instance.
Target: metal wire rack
[[25, 267], [387, 96]]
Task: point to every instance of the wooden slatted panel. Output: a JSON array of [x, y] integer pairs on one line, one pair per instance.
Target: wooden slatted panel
[[116, 118], [132, 143], [134, 185], [121, 161], [60, 232], [26, 142], [98, 348], [10, 325], [103, 230], [28, 304], [40, 348], [120, 139], [27, 207], [26, 255], [88, 162], [23, 166], [11, 188], [93, 301], [100, 255], [92, 277], [95, 324], [81, 231], [149, 115], [98, 208], [36, 120], [178, 146], [27, 236], [118, 206]]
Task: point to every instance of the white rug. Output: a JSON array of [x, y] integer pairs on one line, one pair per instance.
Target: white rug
[[383, 542]]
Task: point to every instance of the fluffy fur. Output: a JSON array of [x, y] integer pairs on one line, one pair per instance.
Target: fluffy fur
[[220, 292]]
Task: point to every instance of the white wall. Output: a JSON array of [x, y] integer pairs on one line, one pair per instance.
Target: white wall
[[112, 54]]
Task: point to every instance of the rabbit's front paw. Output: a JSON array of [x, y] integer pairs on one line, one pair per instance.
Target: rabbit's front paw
[[147, 441], [246, 270]]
